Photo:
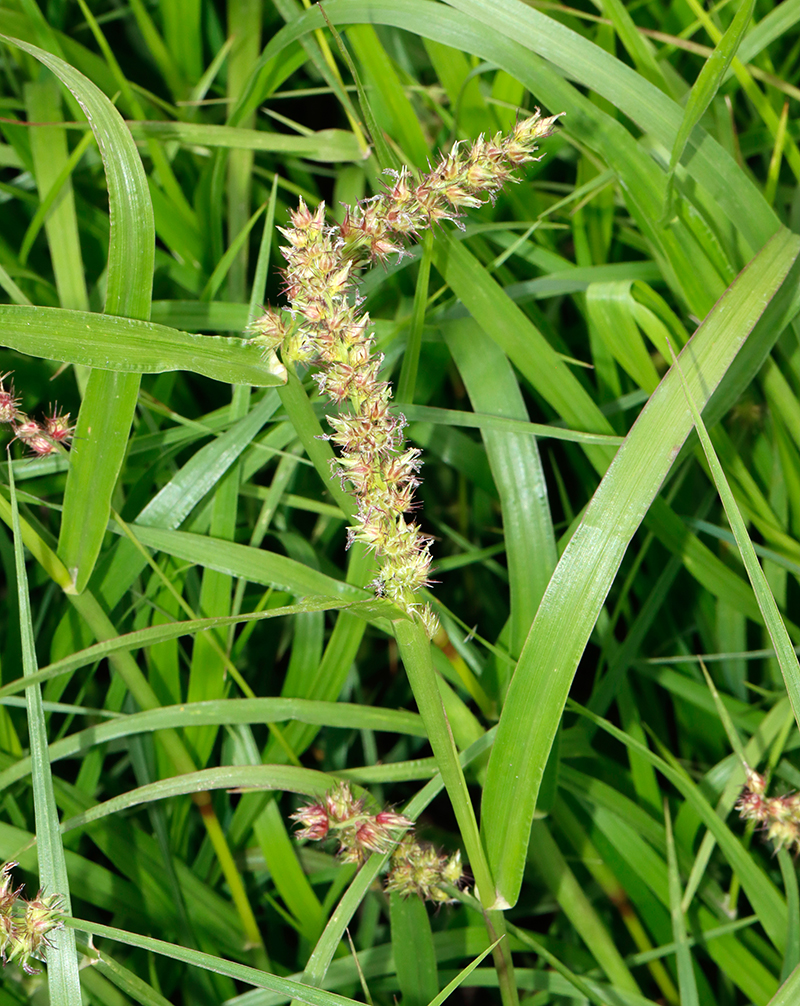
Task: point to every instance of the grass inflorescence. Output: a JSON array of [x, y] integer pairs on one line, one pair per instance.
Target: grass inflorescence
[[285, 715]]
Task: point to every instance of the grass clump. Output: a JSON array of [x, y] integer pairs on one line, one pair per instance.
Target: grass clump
[[219, 616]]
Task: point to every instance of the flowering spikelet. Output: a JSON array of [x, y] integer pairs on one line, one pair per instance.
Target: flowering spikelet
[[415, 869], [57, 428], [9, 403], [32, 934], [323, 325], [420, 870], [33, 436], [50, 437], [359, 833], [25, 936], [779, 816]]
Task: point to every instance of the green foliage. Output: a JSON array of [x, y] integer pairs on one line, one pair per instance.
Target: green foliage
[[602, 368]]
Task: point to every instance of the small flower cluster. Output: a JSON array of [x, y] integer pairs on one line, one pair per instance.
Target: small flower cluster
[[359, 833], [323, 325], [779, 816], [49, 437], [24, 936], [421, 870], [415, 869]]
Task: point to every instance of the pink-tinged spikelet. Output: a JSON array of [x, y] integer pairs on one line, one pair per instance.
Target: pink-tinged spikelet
[[323, 325]]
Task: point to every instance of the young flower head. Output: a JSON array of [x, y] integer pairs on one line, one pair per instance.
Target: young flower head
[[57, 428], [779, 816], [9, 403], [31, 935], [25, 926], [420, 870], [358, 832], [34, 437], [50, 437], [324, 326]]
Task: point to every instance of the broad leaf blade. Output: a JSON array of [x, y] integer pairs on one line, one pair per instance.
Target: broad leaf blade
[[587, 568]]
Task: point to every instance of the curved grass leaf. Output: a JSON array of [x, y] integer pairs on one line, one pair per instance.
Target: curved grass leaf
[[788, 992], [226, 711], [166, 631], [131, 346], [288, 778], [782, 644], [254, 564], [326, 145], [109, 399], [242, 973]]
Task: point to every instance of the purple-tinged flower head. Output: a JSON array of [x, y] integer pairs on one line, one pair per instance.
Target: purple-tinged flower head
[[31, 435], [9, 403], [779, 816], [31, 934], [57, 428], [8, 899], [314, 822], [323, 325], [340, 815]]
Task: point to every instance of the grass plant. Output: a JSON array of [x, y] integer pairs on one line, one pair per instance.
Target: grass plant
[[286, 717]]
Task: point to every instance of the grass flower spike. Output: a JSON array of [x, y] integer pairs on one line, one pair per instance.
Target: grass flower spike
[[24, 935], [323, 325], [779, 816], [359, 833], [415, 869]]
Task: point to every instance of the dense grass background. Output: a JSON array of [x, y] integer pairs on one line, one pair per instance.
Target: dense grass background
[[181, 619]]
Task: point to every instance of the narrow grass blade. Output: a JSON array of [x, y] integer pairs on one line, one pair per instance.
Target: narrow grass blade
[[412, 945], [784, 650], [789, 873], [725, 717], [225, 264], [415, 651], [710, 78], [408, 370], [52, 165], [575, 980], [788, 992], [683, 954], [64, 983], [385, 157], [479, 420], [448, 990], [49, 199], [517, 471], [240, 972]]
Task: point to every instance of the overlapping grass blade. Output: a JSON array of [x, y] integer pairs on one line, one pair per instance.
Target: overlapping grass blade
[[130, 346], [64, 982]]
